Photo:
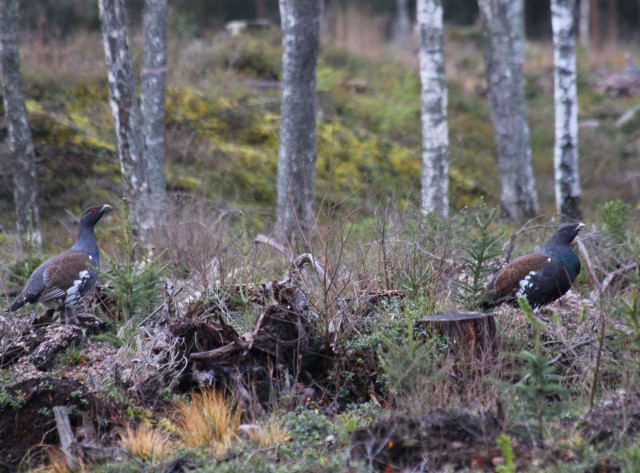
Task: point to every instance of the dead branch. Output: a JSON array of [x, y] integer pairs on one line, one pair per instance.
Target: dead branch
[[606, 282], [587, 258], [508, 249], [217, 352], [266, 240], [431, 255], [67, 437], [562, 354]]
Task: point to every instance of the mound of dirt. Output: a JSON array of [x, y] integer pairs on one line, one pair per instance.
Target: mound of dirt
[[444, 437], [26, 418], [613, 420]]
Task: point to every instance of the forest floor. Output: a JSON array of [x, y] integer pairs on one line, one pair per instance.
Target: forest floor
[[211, 350]]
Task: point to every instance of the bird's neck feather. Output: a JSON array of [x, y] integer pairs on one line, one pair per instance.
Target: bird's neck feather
[[86, 242]]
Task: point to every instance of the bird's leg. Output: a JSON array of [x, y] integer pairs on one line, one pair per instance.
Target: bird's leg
[[69, 315], [44, 319]]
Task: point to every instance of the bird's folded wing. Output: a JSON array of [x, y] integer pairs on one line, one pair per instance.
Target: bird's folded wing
[[508, 281], [63, 272]]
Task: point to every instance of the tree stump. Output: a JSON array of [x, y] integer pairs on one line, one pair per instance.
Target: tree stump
[[471, 336]]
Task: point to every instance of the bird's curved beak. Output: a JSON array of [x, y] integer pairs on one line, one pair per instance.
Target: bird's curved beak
[[580, 226], [106, 207]]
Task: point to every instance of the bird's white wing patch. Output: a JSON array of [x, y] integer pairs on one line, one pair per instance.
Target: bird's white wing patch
[[526, 283], [75, 292]]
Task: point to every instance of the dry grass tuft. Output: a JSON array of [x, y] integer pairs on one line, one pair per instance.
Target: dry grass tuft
[[209, 420], [57, 463], [145, 442], [269, 435]]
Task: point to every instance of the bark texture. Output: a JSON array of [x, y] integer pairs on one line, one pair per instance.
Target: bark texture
[[140, 140], [22, 160], [435, 130], [125, 108], [503, 34], [297, 154], [567, 177], [154, 85]]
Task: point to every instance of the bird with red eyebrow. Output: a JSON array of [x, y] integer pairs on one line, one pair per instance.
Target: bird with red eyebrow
[[65, 279], [542, 276]]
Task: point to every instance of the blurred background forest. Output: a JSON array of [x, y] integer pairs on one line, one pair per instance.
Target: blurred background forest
[[611, 19], [223, 105]]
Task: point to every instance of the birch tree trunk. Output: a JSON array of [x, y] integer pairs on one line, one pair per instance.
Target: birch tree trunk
[[435, 130], [140, 128], [503, 35], [565, 155], [154, 85], [25, 182], [297, 154]]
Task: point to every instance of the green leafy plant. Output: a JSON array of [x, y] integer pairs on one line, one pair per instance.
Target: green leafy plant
[[540, 380], [134, 284], [20, 271], [479, 245], [410, 365], [509, 466], [615, 215]]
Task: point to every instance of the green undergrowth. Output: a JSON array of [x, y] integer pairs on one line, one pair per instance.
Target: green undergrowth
[[223, 128]]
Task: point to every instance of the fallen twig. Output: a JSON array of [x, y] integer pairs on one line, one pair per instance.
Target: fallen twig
[[612, 275], [587, 258], [215, 353], [266, 240]]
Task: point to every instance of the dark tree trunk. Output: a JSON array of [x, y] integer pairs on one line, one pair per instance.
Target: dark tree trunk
[[154, 85], [297, 155], [503, 32], [22, 161]]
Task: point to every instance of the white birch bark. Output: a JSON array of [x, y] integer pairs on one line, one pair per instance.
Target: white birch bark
[[25, 182], [435, 130], [152, 104], [297, 153], [503, 24], [565, 155]]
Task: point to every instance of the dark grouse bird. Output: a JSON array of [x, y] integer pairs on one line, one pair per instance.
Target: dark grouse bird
[[63, 280], [542, 276]]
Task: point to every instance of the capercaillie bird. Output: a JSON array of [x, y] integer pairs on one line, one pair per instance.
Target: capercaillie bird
[[542, 276], [65, 279]]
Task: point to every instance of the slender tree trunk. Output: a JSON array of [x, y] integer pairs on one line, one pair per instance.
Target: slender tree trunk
[[402, 24], [140, 127], [25, 182], [594, 22], [154, 85], [567, 178], [585, 14], [297, 155], [435, 131], [612, 21], [503, 32]]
